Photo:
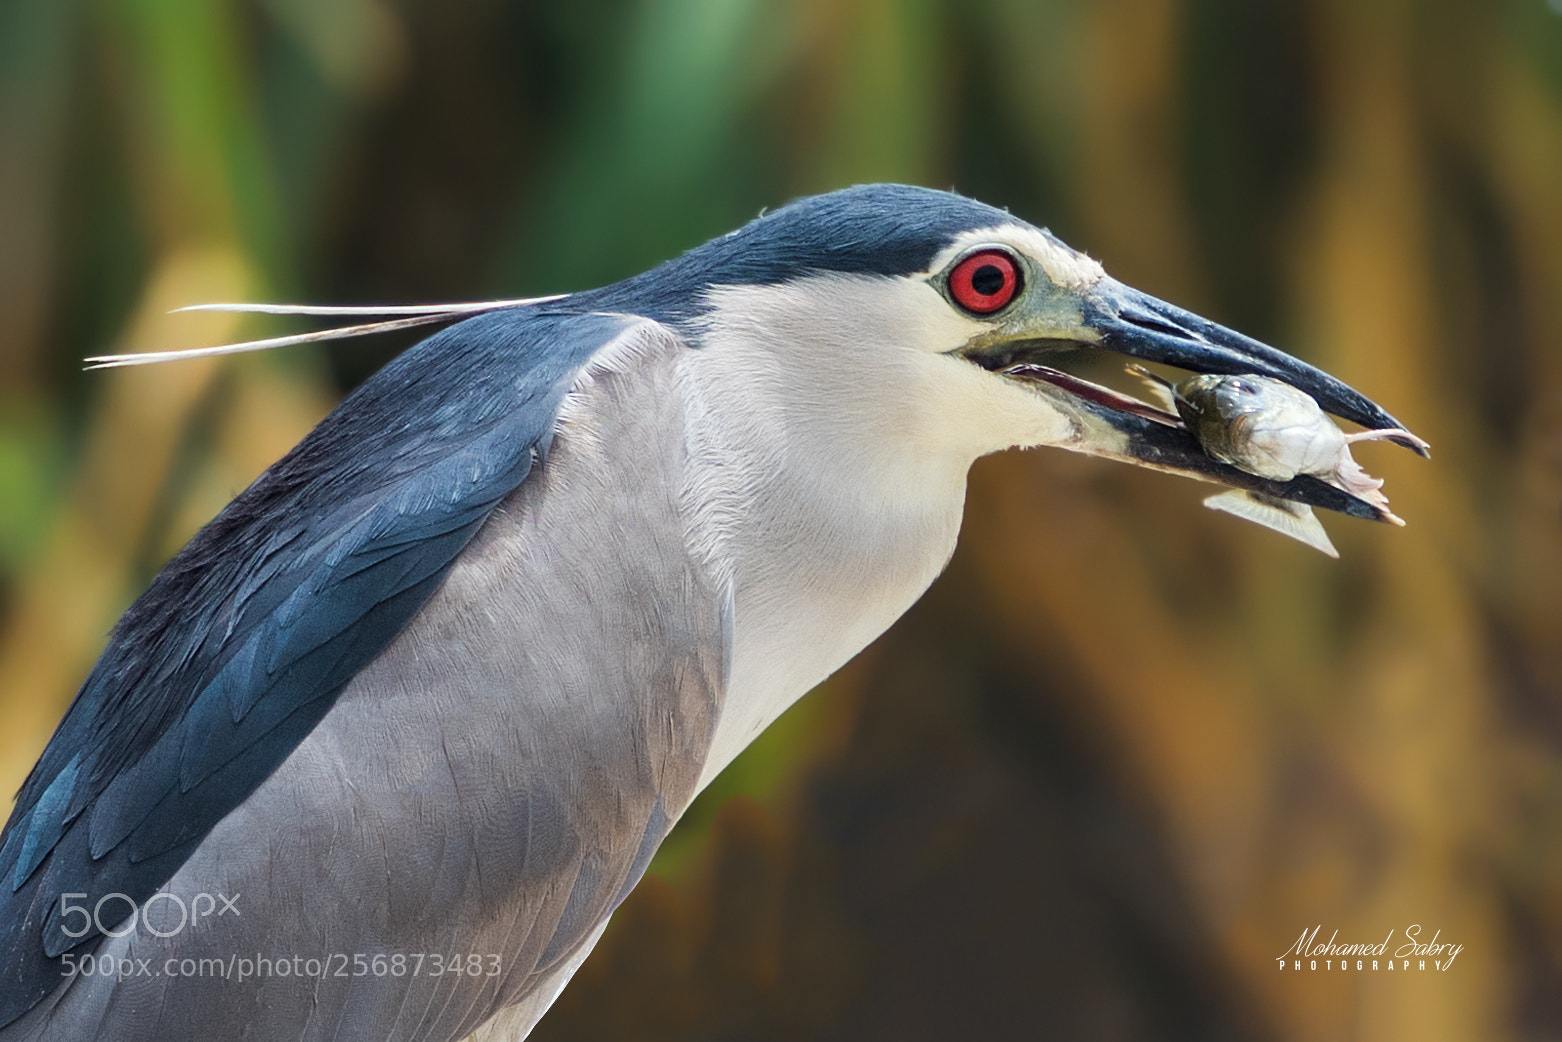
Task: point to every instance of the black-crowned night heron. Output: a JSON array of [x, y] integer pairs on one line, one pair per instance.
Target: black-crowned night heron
[[379, 752]]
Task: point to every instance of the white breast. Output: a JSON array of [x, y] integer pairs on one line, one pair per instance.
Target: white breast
[[830, 440]]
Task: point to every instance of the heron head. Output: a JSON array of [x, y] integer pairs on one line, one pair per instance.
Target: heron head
[[966, 313]]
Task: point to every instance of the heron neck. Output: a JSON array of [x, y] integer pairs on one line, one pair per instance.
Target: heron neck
[[821, 493]]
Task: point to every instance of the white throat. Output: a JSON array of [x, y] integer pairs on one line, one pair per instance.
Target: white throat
[[829, 463]]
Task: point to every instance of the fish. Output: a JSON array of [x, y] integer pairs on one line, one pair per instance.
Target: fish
[[1270, 429]]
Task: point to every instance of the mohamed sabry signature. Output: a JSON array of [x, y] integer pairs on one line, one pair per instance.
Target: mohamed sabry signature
[[1410, 952]]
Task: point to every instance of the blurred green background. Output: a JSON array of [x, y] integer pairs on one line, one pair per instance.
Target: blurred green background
[[1126, 749]]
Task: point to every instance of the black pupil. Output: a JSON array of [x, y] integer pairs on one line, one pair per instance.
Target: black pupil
[[988, 279]]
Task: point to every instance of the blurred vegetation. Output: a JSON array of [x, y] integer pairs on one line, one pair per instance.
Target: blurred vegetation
[[1098, 781]]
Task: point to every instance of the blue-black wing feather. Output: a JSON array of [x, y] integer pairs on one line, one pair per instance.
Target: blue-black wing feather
[[243, 641]]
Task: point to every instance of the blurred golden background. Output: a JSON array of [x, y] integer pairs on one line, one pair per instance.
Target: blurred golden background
[[1126, 750]]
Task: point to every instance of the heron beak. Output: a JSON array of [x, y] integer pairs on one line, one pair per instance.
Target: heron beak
[[1137, 324], [1119, 318]]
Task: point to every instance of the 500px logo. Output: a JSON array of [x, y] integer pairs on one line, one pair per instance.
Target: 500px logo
[[164, 914]]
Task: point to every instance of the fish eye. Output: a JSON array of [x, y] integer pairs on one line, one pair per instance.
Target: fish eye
[[985, 281]]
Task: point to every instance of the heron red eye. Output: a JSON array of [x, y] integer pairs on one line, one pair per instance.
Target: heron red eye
[[985, 281]]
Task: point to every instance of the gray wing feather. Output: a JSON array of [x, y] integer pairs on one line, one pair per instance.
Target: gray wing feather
[[491, 785]]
